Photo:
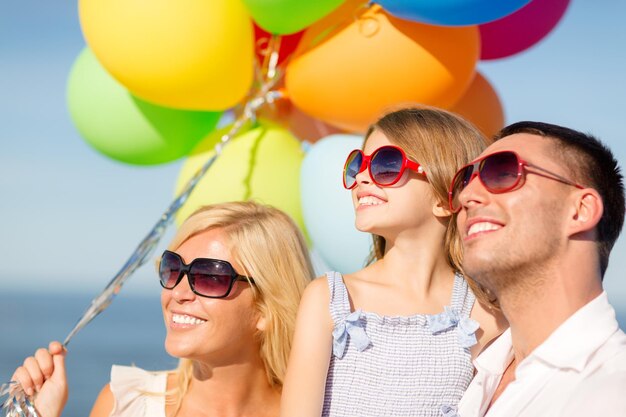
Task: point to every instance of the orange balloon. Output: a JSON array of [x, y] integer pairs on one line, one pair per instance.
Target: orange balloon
[[357, 62], [481, 106]]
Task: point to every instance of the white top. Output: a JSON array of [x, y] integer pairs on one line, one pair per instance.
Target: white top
[[138, 393], [579, 371]]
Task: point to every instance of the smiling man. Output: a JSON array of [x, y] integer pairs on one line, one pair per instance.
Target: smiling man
[[540, 210]]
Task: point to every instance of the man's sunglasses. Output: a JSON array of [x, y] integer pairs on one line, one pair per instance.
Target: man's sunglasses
[[212, 278], [386, 165], [499, 172]]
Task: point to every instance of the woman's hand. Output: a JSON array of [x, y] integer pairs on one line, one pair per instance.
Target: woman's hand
[[43, 375]]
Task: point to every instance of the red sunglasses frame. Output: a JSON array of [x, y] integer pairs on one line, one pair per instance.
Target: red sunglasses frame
[[366, 162], [522, 166]]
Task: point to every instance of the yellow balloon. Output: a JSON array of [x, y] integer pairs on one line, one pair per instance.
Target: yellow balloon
[[192, 54], [262, 164]]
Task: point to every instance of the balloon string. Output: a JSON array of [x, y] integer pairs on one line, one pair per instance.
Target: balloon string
[[18, 404], [269, 49], [272, 57]]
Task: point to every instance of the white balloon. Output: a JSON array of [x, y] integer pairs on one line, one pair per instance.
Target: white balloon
[[327, 206]]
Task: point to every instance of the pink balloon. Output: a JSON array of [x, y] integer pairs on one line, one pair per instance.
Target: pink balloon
[[520, 30]]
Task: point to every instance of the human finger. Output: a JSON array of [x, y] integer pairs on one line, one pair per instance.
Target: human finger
[[44, 360], [32, 366], [22, 376]]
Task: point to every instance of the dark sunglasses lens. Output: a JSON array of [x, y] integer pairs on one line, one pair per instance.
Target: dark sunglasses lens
[[169, 270], [386, 165], [352, 168], [499, 172], [211, 278], [460, 181]]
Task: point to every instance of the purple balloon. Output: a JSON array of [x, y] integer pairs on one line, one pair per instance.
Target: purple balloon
[[520, 30]]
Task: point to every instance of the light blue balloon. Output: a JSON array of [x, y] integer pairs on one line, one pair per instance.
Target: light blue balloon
[[452, 12], [327, 206]]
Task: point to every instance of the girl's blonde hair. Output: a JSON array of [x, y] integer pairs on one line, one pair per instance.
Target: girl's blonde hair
[[269, 247], [441, 142]]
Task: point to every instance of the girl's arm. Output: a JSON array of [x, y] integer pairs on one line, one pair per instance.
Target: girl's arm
[[104, 403], [303, 389]]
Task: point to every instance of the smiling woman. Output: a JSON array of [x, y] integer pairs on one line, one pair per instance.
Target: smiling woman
[[229, 305]]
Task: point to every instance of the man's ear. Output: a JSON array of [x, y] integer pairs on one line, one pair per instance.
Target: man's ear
[[441, 210], [587, 211]]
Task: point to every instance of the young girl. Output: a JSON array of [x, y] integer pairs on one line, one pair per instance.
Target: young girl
[[397, 337], [232, 279]]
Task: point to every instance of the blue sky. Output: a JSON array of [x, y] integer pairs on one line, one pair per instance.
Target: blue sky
[[71, 217]]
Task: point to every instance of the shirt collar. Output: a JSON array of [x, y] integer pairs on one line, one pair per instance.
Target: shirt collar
[[497, 356], [577, 338]]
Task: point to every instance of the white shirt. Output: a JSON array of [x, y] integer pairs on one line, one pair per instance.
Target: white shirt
[[579, 371]]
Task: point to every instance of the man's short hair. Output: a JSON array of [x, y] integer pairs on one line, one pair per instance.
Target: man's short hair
[[591, 164]]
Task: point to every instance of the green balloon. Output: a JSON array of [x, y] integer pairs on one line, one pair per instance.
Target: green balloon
[[124, 127], [283, 17]]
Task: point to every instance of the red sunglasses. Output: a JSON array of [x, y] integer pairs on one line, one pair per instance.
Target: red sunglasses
[[499, 173], [386, 166]]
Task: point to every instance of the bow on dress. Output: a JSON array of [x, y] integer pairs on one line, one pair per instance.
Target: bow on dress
[[351, 326], [466, 327], [449, 411]]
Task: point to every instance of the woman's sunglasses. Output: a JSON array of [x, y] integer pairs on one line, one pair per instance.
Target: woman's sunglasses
[[499, 172], [386, 165], [212, 278]]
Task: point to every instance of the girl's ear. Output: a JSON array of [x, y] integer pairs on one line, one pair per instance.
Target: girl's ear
[[441, 210]]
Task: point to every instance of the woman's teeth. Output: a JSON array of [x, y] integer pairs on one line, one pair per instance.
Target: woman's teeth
[[185, 319]]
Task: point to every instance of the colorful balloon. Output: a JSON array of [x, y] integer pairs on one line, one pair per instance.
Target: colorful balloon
[[287, 44], [193, 54], [124, 127], [262, 164], [481, 105], [327, 206], [283, 17], [303, 126], [451, 12], [348, 71], [521, 30], [307, 128]]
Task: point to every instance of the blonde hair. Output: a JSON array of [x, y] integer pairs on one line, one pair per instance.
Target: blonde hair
[[441, 142], [269, 247]]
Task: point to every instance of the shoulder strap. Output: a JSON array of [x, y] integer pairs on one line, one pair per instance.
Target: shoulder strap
[[462, 296], [339, 304]]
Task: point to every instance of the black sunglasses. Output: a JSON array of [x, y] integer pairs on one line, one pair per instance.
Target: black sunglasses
[[212, 278]]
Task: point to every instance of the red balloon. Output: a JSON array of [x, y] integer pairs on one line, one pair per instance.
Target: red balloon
[[288, 44], [520, 30]]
